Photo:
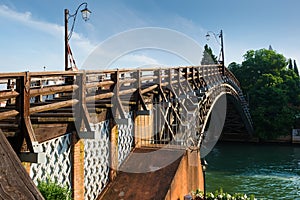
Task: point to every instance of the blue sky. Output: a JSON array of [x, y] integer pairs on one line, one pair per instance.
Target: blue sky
[[32, 30]]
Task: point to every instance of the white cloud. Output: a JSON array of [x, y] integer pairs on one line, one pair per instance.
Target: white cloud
[[135, 60], [55, 30]]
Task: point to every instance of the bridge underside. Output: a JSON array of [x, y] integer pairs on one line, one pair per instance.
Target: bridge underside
[[235, 126]]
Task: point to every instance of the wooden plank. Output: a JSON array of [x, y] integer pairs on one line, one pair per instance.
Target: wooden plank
[[8, 94], [12, 75], [53, 106], [149, 89], [54, 73], [100, 96], [146, 78], [45, 132], [55, 114], [52, 90], [7, 114], [99, 84], [129, 91], [15, 182], [132, 80]]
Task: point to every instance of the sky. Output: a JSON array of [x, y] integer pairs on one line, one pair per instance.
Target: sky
[[32, 31]]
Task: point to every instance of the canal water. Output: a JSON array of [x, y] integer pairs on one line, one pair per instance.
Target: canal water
[[267, 171]]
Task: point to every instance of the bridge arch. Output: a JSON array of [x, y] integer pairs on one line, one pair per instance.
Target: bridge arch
[[214, 120]]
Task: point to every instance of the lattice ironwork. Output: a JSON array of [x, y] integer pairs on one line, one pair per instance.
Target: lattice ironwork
[[96, 161], [125, 138], [58, 164]]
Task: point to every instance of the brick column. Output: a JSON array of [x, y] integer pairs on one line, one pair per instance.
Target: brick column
[[143, 128], [113, 151], [138, 125], [27, 166], [196, 180], [77, 152]]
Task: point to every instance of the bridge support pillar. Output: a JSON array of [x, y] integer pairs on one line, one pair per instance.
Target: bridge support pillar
[[188, 177], [77, 167], [113, 151], [143, 129]]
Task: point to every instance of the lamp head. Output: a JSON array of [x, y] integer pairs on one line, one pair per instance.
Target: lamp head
[[207, 36], [85, 13]]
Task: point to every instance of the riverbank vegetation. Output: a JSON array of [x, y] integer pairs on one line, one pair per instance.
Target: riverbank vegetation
[[221, 195], [271, 85], [51, 190]]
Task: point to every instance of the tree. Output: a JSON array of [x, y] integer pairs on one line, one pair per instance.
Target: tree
[[290, 66], [208, 56], [296, 68], [273, 91]]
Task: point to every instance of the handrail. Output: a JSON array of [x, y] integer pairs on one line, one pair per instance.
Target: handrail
[[42, 84]]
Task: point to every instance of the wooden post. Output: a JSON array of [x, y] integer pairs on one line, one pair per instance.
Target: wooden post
[[23, 106], [82, 116], [116, 98]]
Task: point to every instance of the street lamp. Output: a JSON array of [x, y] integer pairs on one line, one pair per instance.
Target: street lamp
[[85, 16], [204, 166], [220, 35]]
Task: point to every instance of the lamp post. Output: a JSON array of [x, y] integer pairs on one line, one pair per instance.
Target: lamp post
[[85, 16], [220, 35], [204, 165]]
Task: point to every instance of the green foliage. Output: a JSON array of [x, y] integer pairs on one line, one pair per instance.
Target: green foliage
[[221, 195], [273, 91], [51, 190], [208, 56], [296, 68], [290, 66]]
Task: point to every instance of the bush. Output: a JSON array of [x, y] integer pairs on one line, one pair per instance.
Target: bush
[[51, 190], [220, 195]]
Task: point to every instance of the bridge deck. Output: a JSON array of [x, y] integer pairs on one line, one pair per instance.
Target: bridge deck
[[145, 185]]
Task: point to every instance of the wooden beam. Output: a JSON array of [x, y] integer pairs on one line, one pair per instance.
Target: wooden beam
[[53, 73], [100, 96], [132, 80], [8, 94], [7, 114], [99, 84], [149, 89], [12, 75], [53, 106], [129, 91], [52, 90]]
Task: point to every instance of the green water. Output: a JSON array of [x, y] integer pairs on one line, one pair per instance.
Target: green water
[[267, 171]]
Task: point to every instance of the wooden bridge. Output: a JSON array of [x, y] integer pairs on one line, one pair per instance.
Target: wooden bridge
[[83, 127]]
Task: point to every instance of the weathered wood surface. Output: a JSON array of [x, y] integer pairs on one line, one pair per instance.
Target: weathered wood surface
[[15, 183], [153, 184]]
